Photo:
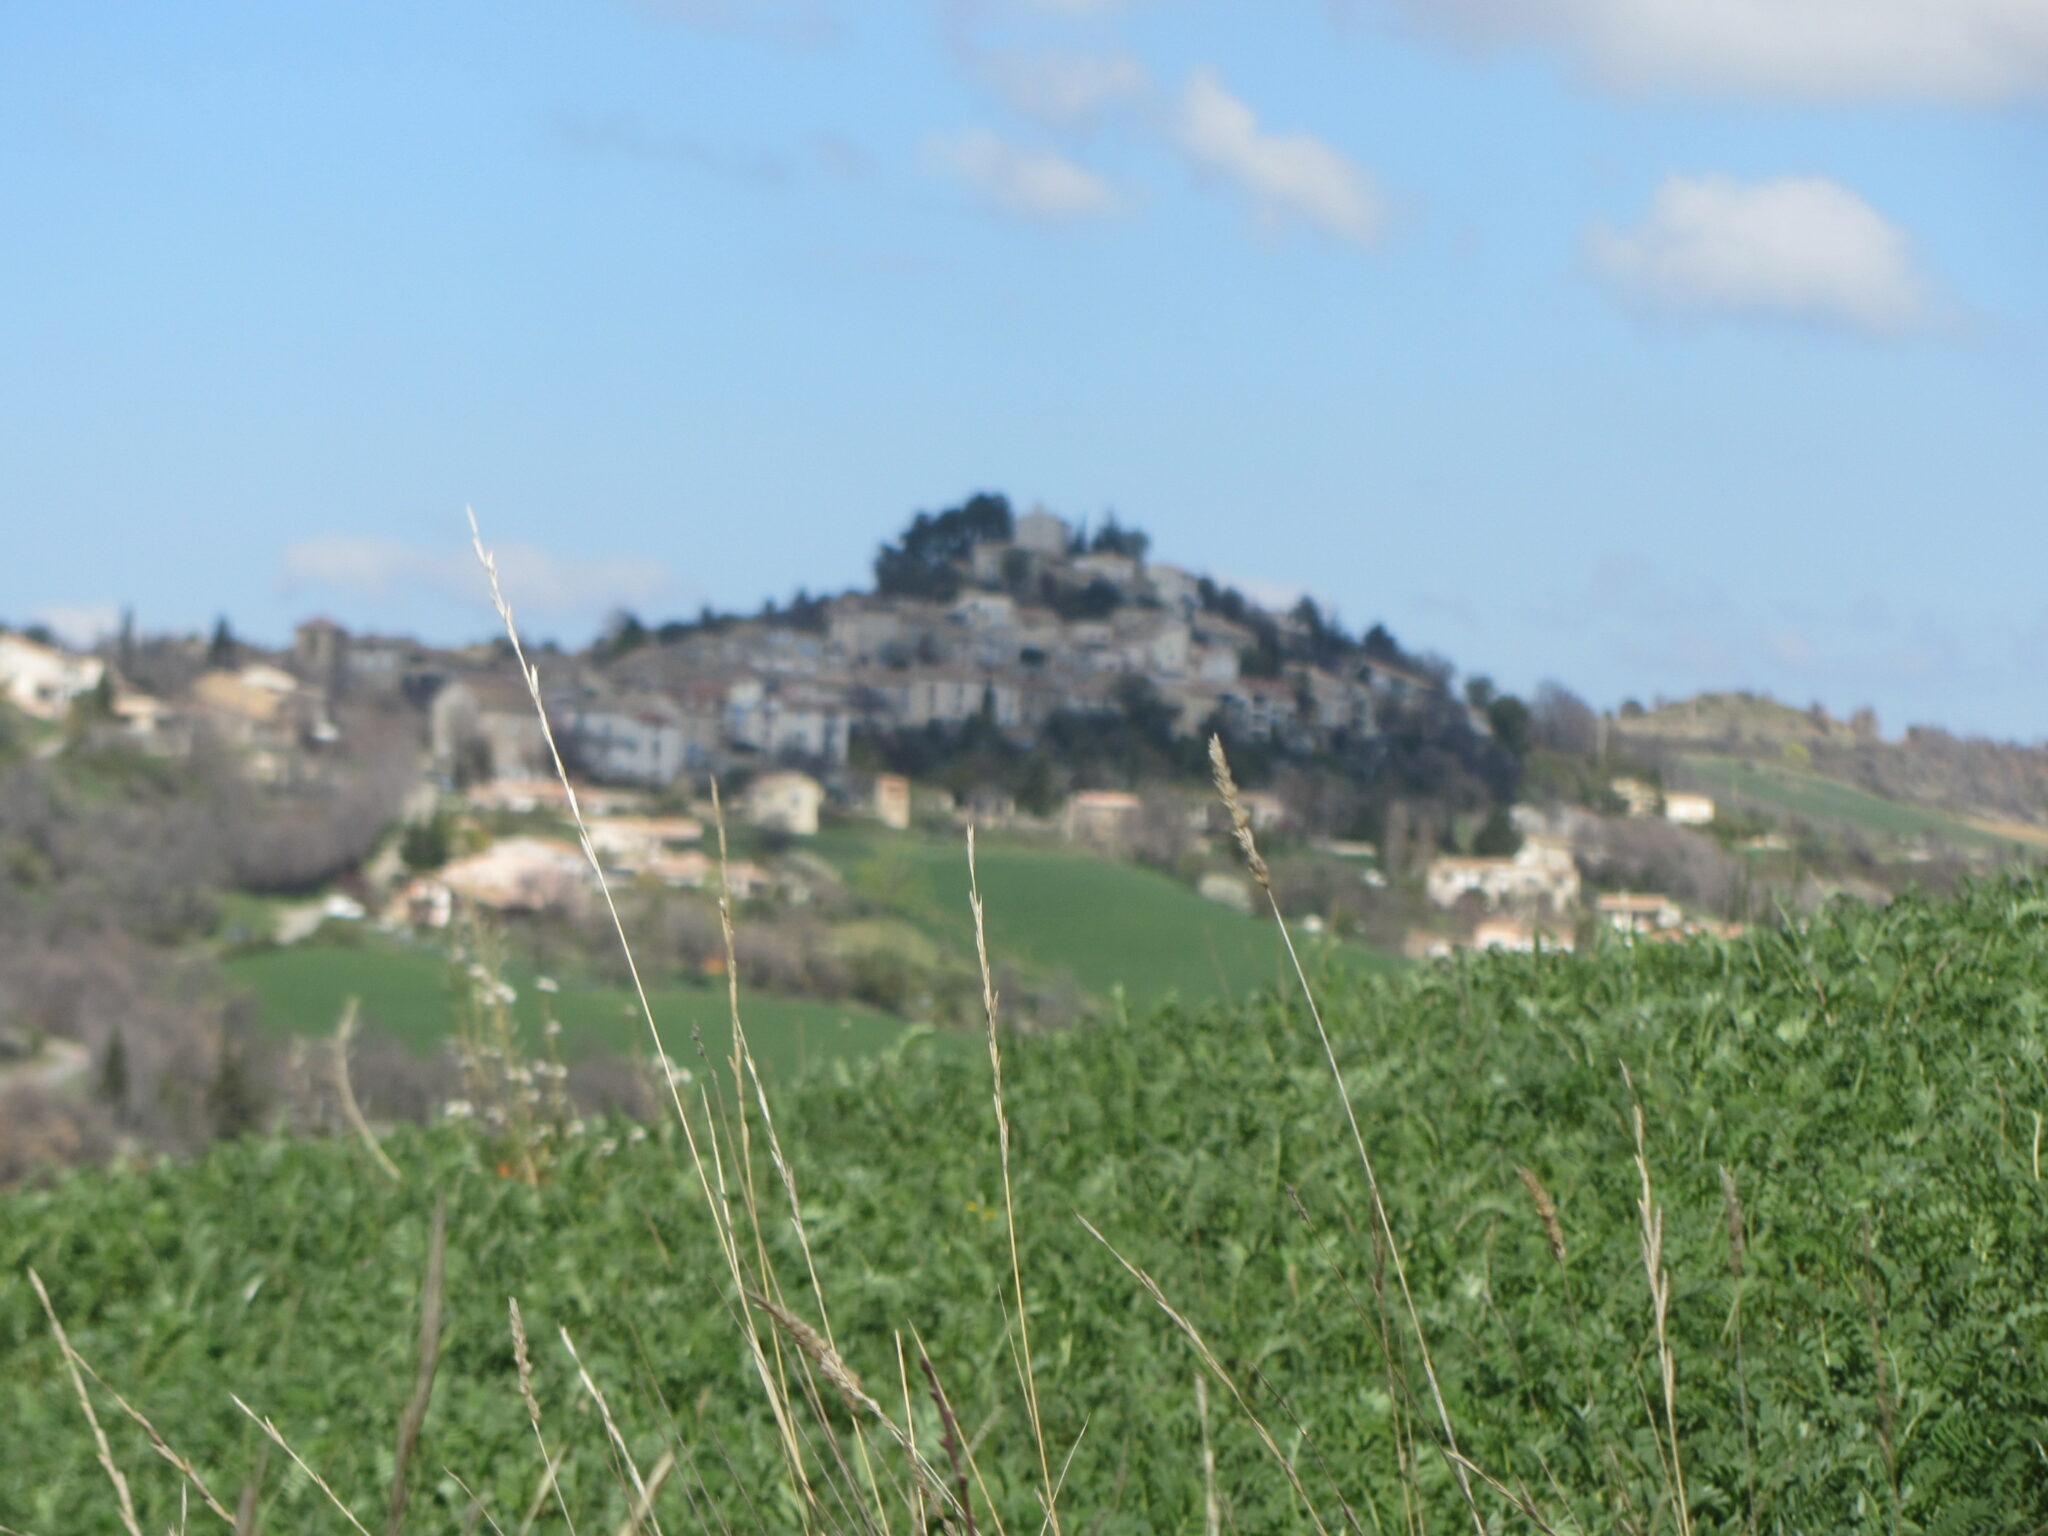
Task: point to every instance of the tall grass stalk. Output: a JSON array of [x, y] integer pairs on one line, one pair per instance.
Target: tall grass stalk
[[1659, 1277], [1049, 1492], [1216, 1369], [714, 1193], [1241, 824], [708, 1158], [99, 1436]]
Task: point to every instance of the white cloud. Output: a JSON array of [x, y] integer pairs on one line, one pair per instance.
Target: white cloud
[[1948, 50], [1290, 176], [80, 625], [1030, 183], [1797, 248], [1065, 90], [534, 579]]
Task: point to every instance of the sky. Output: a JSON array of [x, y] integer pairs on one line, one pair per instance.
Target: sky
[[1650, 346]]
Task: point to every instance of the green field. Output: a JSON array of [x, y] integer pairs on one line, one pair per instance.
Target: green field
[[1859, 1343], [1107, 924], [1829, 802], [411, 994]]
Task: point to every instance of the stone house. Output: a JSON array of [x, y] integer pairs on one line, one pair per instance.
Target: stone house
[[41, 680], [1104, 818], [786, 802], [1542, 876], [484, 726]]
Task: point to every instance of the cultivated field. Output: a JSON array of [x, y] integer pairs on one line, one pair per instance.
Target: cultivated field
[[1839, 1198]]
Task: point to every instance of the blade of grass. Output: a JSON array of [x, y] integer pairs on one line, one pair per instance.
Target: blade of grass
[[995, 1066], [1226, 786]]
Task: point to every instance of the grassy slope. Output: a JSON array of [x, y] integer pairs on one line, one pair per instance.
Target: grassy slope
[[1873, 1086], [1107, 923], [1826, 801], [408, 992]]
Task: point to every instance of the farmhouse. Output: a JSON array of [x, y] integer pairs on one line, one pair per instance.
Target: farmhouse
[[41, 680], [1632, 913], [522, 874], [1541, 875], [1104, 817], [785, 802]]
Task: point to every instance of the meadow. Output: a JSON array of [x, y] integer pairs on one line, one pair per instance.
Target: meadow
[[1839, 1199], [1827, 802], [1117, 929], [414, 994]]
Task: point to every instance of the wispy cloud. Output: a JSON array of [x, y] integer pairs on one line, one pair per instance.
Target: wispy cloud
[[1290, 177], [627, 136], [1797, 248], [1064, 90], [1946, 50], [535, 579], [1032, 184]]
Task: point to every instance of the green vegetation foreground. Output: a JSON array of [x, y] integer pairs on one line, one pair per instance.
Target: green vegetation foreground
[[1859, 1330]]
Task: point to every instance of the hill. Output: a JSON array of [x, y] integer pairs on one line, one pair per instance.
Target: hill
[[1855, 1316], [1110, 926]]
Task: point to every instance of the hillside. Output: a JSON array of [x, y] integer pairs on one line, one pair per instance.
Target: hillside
[[1872, 1355], [1108, 926]]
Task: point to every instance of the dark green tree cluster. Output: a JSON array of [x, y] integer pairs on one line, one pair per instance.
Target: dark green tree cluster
[[926, 559]]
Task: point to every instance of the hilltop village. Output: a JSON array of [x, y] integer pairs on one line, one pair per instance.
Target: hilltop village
[[1015, 669]]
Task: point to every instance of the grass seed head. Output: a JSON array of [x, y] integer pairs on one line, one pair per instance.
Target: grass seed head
[[1546, 1211]]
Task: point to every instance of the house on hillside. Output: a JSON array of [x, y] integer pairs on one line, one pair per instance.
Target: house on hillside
[[1638, 796], [522, 874], [1041, 533], [786, 802], [921, 696], [1633, 913], [1172, 588], [784, 717], [41, 680], [637, 739], [320, 656], [892, 801], [1688, 809], [1102, 818], [262, 711], [639, 843], [1395, 680], [1541, 876], [484, 727]]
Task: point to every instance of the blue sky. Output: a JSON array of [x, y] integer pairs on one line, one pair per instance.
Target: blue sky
[[1650, 345]]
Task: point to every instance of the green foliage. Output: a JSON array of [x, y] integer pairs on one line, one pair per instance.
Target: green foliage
[[1497, 837], [1873, 1086], [426, 844], [925, 560]]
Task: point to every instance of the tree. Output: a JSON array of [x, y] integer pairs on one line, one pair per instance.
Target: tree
[[1497, 837], [112, 1087], [1561, 721], [926, 558], [623, 632], [425, 844], [1511, 723], [1114, 539], [223, 651]]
